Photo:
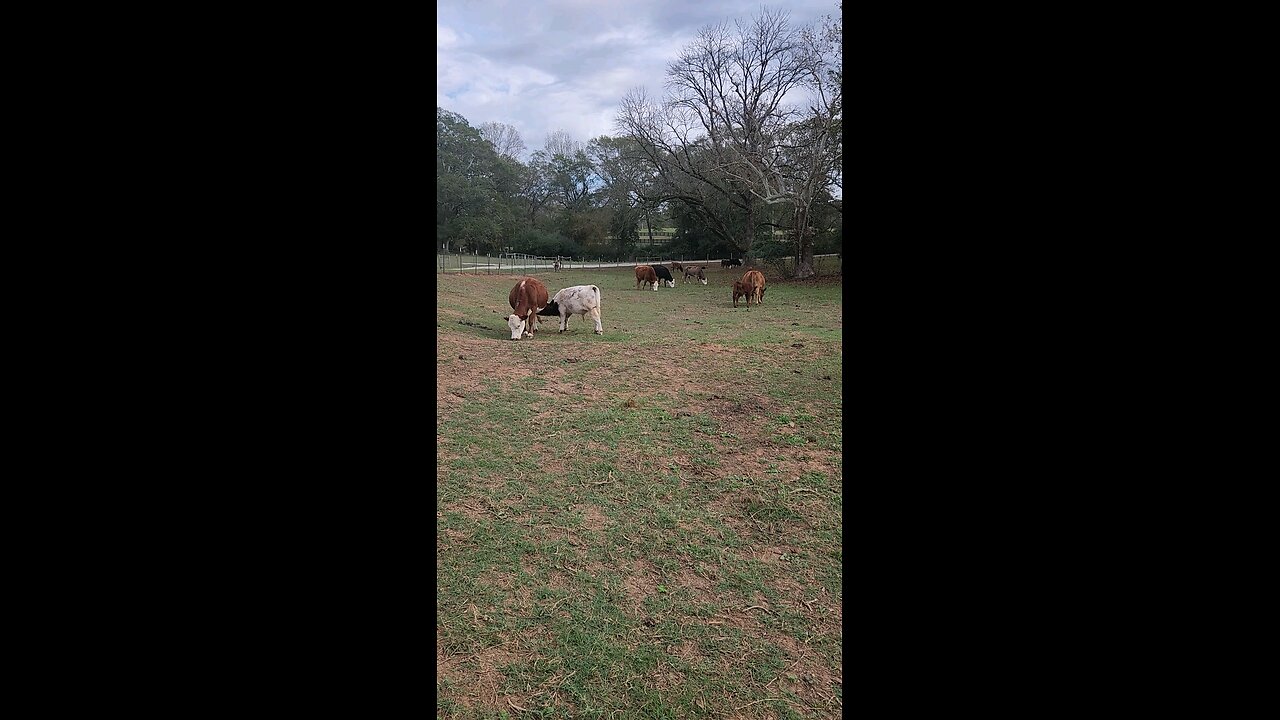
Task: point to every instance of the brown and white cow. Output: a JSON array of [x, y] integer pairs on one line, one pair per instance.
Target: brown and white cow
[[527, 298], [695, 272], [645, 274], [754, 279]]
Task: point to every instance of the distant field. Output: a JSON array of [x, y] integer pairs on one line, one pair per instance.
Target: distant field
[[644, 524]]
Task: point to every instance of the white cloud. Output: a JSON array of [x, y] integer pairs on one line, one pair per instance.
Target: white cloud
[[445, 38], [544, 65]]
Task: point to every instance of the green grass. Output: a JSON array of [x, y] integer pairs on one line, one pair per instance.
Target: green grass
[[643, 524]]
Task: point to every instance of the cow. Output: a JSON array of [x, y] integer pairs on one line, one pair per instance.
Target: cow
[[646, 274], [730, 263], [696, 272], [740, 290], [664, 275], [527, 298], [754, 279], [675, 265], [581, 300]]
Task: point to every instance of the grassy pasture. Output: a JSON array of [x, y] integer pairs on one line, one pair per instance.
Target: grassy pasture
[[644, 524]]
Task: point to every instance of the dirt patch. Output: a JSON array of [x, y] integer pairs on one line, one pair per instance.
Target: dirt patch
[[474, 680], [808, 674], [665, 677], [592, 518], [490, 678], [773, 554], [640, 583], [468, 511], [697, 585], [686, 651], [557, 580], [494, 578]]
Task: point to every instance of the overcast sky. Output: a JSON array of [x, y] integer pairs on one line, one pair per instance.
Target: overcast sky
[[544, 65]]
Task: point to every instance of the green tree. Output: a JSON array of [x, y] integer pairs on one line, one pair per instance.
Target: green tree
[[474, 187]]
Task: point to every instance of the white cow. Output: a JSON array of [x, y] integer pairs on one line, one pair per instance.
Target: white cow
[[581, 300]]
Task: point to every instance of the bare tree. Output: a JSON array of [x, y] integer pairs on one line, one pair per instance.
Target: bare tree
[[505, 138], [535, 188], [805, 160], [560, 143], [715, 138]]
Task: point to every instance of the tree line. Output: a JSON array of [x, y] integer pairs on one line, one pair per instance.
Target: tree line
[[742, 156]]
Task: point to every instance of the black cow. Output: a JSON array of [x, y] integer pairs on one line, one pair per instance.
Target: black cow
[[664, 275], [730, 263]]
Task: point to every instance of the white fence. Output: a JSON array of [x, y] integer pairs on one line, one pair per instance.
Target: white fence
[[512, 263]]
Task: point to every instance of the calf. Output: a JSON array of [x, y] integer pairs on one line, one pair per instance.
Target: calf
[[754, 279], [730, 263], [526, 298], [741, 290], [664, 275], [645, 274], [677, 266], [581, 300], [697, 272]]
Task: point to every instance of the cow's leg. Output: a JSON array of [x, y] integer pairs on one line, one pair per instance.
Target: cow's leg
[[564, 320]]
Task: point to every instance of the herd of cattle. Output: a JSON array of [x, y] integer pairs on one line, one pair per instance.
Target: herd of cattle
[[529, 297]]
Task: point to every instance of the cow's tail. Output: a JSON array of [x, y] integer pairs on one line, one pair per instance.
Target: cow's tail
[[596, 290]]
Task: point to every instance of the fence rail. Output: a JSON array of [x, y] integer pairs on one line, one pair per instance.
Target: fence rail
[[520, 263]]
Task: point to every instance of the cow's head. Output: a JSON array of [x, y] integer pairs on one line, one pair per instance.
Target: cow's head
[[703, 279], [516, 323], [669, 283]]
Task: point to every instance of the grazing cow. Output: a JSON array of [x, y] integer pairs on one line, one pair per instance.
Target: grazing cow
[[581, 300], [664, 275], [754, 279], [730, 263], [677, 266], [527, 298], [646, 274], [740, 290], [696, 272]]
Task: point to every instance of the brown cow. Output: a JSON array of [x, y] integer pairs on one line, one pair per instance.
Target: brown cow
[[740, 290], [527, 298], [645, 274], [754, 279], [695, 272], [675, 265]]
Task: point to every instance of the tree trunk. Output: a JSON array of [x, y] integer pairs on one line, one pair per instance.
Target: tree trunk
[[804, 268]]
